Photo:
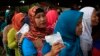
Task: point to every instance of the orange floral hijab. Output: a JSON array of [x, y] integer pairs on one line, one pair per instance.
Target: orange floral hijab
[[17, 21], [34, 32]]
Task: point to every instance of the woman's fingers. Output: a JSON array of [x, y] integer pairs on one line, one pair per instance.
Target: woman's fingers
[[58, 46]]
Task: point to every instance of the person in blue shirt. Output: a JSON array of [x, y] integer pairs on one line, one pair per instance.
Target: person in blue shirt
[[32, 41]]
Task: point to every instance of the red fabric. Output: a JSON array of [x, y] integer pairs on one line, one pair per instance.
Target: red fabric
[[39, 52], [95, 52], [52, 16], [16, 21]]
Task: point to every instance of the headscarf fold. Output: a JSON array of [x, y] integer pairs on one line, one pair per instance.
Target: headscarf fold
[[17, 21]]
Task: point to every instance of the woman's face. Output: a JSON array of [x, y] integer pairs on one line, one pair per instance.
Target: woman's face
[[40, 20], [79, 28], [94, 18]]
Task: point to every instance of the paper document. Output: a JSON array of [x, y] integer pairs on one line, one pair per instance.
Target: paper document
[[54, 38]]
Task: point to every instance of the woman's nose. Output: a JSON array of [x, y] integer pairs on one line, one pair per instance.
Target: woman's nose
[[81, 26], [42, 18]]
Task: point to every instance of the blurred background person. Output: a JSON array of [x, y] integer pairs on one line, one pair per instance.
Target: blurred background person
[[90, 19]]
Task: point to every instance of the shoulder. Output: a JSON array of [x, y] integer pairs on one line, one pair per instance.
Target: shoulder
[[27, 41], [7, 28], [28, 47], [11, 32]]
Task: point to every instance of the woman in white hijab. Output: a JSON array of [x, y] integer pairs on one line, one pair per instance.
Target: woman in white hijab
[[89, 19]]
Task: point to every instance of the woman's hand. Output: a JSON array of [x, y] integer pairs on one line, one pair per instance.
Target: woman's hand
[[18, 36], [56, 47]]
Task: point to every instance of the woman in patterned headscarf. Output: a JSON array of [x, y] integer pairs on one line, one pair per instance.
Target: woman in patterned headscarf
[[33, 41], [36, 33]]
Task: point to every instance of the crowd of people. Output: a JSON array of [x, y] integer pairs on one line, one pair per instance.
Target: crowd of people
[[23, 34]]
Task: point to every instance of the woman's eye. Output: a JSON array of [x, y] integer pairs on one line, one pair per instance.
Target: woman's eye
[[43, 15], [78, 24], [38, 16]]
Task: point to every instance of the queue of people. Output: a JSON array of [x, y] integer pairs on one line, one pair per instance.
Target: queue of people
[[24, 34]]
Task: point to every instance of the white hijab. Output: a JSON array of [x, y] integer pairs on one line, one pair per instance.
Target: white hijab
[[86, 22]]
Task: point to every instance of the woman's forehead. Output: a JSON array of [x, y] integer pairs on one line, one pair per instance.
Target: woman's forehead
[[40, 13]]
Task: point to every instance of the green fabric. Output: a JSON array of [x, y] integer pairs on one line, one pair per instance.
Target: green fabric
[[12, 44]]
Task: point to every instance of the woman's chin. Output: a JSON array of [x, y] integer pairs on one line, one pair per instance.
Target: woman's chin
[[43, 26]]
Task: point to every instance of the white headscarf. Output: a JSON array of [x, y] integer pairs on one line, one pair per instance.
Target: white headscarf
[[86, 22]]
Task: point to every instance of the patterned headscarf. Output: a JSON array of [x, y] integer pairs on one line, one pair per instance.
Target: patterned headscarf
[[35, 32]]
